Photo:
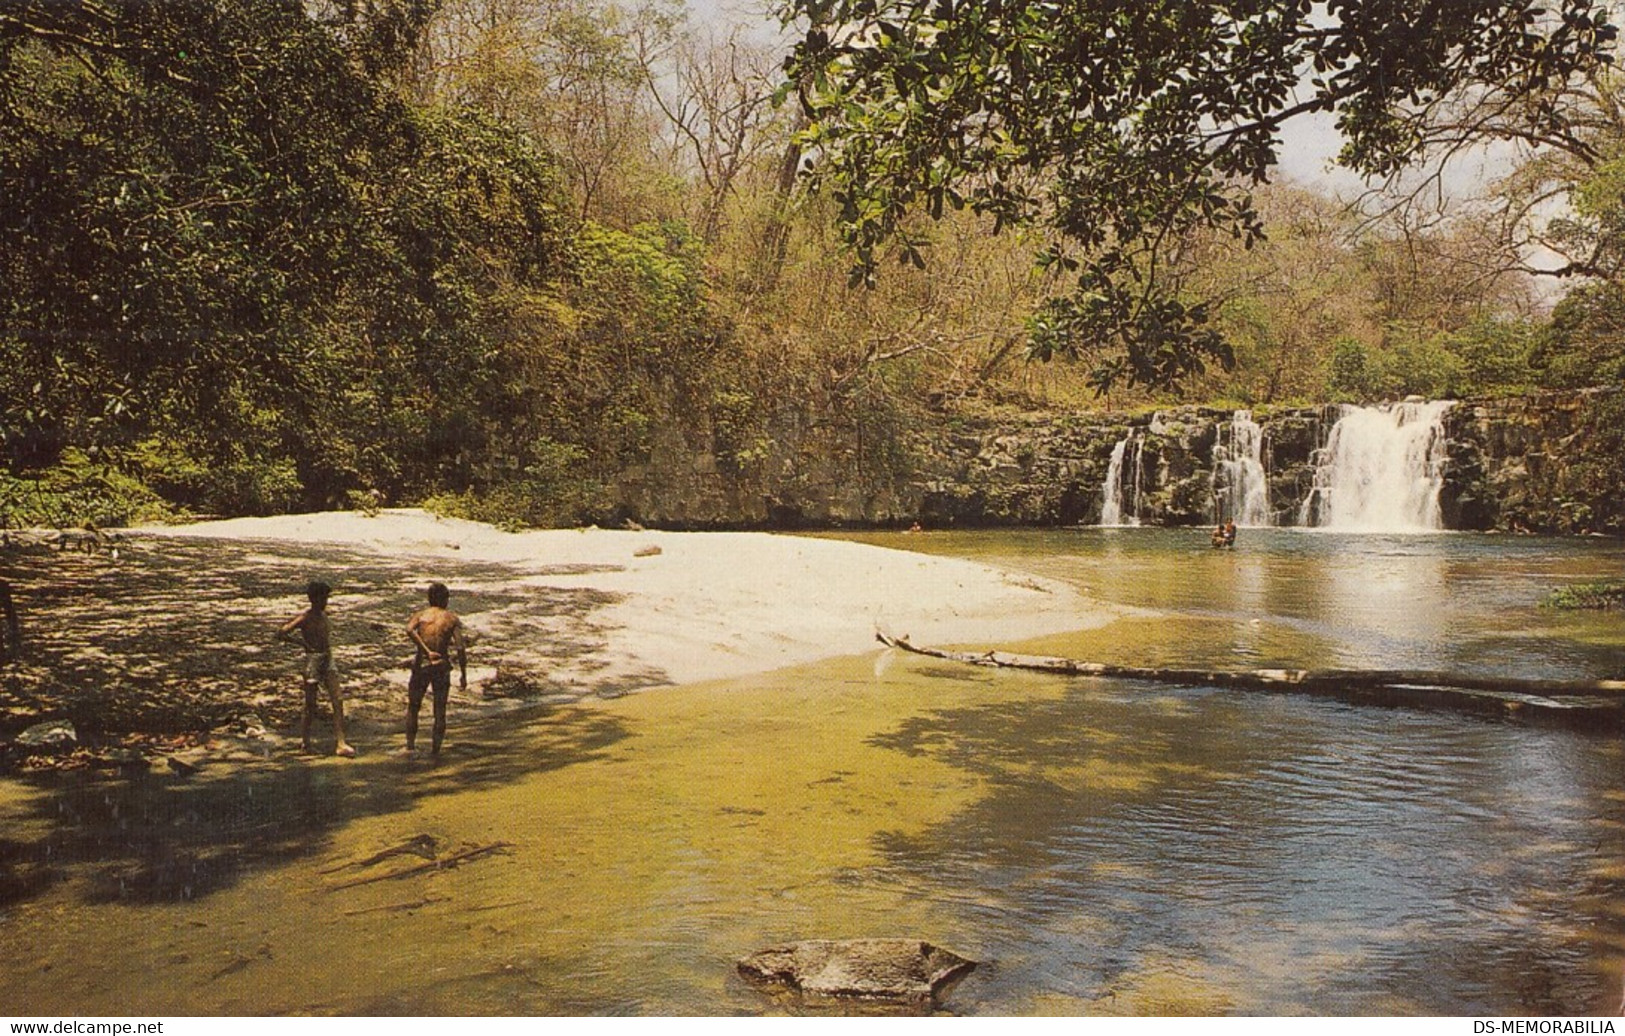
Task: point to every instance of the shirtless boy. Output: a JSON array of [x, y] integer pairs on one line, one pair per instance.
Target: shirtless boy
[[437, 632], [315, 634]]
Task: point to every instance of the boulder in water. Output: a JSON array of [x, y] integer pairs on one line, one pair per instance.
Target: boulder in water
[[904, 971]]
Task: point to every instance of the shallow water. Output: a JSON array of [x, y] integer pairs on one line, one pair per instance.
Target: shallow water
[[1460, 602], [1108, 847]]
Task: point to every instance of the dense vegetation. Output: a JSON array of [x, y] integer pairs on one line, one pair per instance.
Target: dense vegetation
[[260, 255], [1594, 596]]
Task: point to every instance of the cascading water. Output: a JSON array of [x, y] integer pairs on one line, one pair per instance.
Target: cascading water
[[1381, 469], [1127, 454], [1240, 486]]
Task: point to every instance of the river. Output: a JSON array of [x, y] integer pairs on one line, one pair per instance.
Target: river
[[1107, 847]]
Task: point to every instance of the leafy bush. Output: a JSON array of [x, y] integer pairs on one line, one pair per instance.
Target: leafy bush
[[552, 493], [1424, 367], [1356, 376], [1585, 343], [76, 492], [239, 482], [1586, 595]]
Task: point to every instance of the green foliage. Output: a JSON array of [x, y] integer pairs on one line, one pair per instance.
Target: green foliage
[[1598, 596], [1355, 375], [1165, 341], [554, 491], [1123, 130], [78, 491], [1592, 230], [1495, 356], [642, 348], [1487, 357], [241, 262], [226, 232], [1423, 365], [1585, 344], [1597, 478], [234, 481]]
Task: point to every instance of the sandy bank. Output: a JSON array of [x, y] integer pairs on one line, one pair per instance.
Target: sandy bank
[[684, 607]]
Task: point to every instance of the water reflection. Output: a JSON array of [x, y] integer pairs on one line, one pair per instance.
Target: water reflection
[[1445, 601], [1392, 600], [1196, 851]]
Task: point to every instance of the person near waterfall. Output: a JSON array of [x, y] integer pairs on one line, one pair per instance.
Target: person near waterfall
[[1230, 533]]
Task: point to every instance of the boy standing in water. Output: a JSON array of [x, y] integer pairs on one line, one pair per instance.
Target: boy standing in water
[[436, 631], [316, 636]]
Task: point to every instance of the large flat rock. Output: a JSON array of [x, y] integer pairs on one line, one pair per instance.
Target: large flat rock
[[902, 970]]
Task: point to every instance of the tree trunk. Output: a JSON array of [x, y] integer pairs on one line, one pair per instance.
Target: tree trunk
[[1580, 701], [11, 639], [776, 236]]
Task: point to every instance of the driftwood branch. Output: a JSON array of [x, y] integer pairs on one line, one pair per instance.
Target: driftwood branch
[[395, 908], [1600, 699], [433, 865], [417, 845]]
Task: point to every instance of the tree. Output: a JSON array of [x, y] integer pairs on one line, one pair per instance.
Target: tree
[[1120, 129], [571, 72], [1282, 303], [1585, 343], [719, 104], [231, 249]]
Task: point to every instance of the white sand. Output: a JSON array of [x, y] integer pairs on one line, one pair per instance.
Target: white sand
[[716, 605]]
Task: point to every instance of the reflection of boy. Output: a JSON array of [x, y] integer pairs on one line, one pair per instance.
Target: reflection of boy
[[437, 631], [316, 636]]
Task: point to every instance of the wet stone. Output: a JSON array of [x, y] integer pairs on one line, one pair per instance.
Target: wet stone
[[902, 971]]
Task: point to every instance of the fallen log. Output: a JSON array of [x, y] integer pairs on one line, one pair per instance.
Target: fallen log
[[1601, 699]]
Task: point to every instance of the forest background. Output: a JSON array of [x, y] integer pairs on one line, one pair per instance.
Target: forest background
[[485, 255]]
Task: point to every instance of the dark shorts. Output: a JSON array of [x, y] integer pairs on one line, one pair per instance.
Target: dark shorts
[[425, 677]]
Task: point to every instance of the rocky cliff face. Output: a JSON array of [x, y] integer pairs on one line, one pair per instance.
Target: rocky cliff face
[[1547, 463], [802, 472], [1290, 440], [1053, 470]]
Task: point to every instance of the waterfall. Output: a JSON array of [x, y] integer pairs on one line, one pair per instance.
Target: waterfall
[[1111, 493], [1240, 486], [1381, 469]]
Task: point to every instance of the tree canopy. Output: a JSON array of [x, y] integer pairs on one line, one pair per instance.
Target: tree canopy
[[1121, 128], [229, 241], [544, 260]]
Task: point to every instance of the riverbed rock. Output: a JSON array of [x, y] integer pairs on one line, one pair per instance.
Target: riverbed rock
[[905, 971], [57, 735]]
